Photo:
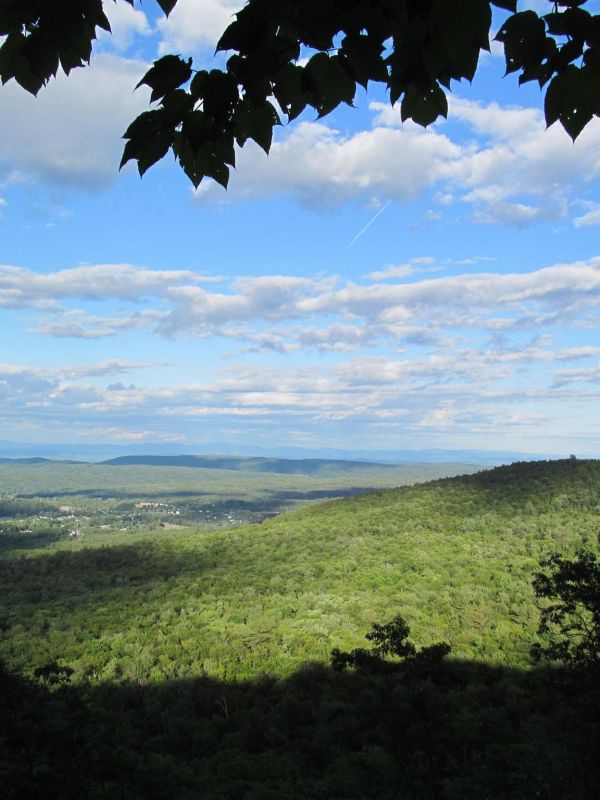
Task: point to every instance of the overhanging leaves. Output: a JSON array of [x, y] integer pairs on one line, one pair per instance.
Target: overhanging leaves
[[573, 98], [166, 74], [414, 48]]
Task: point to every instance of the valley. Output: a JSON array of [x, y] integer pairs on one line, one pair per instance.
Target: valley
[[226, 630], [58, 500]]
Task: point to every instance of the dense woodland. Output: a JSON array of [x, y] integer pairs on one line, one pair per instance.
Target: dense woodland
[[188, 663]]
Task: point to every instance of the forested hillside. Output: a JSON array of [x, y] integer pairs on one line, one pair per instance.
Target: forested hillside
[[455, 557], [189, 652]]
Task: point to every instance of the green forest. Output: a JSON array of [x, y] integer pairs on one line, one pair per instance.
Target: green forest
[[188, 662]]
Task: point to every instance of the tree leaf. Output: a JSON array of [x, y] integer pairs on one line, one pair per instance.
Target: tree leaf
[[329, 83], [255, 122], [10, 52], [573, 98], [424, 106], [287, 88], [166, 74], [524, 39], [166, 5], [145, 125], [153, 150]]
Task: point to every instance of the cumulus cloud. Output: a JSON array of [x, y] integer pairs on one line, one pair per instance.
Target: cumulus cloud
[[276, 311], [509, 169], [196, 24], [591, 217], [70, 135], [272, 297], [20, 287], [76, 324], [391, 271], [321, 167], [126, 24]]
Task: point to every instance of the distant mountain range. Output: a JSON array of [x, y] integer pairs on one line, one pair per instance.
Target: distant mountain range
[[305, 466], [108, 452]]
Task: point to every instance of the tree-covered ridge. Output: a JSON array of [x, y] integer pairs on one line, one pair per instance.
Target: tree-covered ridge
[[286, 466], [456, 557]]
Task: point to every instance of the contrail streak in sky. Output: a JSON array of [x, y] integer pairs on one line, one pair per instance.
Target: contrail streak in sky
[[368, 225]]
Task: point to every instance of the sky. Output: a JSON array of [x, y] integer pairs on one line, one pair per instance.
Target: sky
[[368, 285]]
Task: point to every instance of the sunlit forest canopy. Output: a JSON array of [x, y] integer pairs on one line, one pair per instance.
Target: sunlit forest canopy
[[456, 557]]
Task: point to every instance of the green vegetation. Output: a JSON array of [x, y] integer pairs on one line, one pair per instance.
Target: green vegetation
[[61, 497], [570, 622], [455, 557], [175, 663]]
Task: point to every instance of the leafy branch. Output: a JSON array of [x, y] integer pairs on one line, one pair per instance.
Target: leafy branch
[[414, 48]]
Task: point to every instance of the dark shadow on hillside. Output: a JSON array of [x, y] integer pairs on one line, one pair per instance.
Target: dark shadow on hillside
[[29, 541], [114, 494], [90, 575], [322, 494], [272, 496], [461, 730]]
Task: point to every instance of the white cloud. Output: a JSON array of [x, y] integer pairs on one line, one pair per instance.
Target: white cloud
[[557, 287], [583, 375], [511, 170], [70, 134], [21, 287], [75, 324], [126, 24], [499, 122], [110, 433], [321, 167], [337, 338], [402, 270], [590, 218], [196, 24], [501, 387], [265, 311], [517, 214], [391, 271], [272, 297], [362, 391]]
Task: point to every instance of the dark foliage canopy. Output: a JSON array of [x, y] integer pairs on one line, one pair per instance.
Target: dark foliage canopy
[[570, 622], [390, 639], [415, 48]]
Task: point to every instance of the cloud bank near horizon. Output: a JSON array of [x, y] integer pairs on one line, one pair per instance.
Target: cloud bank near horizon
[[409, 350]]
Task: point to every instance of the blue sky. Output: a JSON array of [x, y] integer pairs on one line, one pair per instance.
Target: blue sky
[[369, 285]]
